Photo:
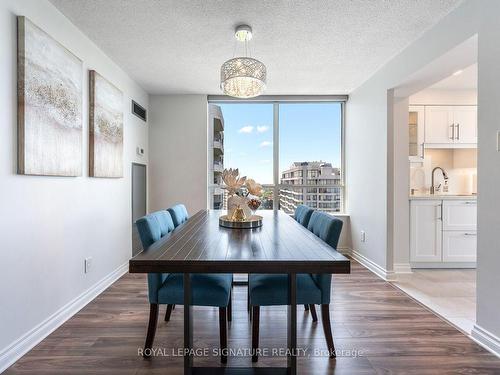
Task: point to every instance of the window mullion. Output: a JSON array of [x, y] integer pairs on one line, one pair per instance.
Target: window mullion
[[276, 156]]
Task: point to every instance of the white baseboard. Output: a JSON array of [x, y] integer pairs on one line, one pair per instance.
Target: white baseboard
[[402, 268], [25, 343], [486, 339], [372, 266]]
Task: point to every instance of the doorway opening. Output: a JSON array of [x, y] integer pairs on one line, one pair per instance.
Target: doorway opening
[[139, 202], [435, 157]]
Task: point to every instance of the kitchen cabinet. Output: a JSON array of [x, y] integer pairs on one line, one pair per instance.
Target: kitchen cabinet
[[460, 215], [465, 122], [426, 231], [442, 231], [459, 246], [438, 124], [416, 119], [450, 126]]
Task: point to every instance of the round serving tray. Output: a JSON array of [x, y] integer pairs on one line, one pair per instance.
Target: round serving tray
[[255, 221]]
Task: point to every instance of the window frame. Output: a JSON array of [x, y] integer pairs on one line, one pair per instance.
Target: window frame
[[276, 100]]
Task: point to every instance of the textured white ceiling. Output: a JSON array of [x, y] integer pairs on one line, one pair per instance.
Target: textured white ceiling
[[309, 47]]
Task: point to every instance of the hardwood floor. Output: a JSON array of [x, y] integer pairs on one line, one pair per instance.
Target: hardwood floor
[[388, 333]]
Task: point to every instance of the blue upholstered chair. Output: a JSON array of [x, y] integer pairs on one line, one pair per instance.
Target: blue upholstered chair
[[303, 214], [312, 289], [179, 214], [167, 288]]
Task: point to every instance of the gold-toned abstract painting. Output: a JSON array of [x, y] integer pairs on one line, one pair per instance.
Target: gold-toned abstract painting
[[49, 105], [105, 127]]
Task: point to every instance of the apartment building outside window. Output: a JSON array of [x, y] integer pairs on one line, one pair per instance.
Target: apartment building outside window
[[294, 149]]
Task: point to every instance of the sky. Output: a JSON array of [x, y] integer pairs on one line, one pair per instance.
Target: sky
[[308, 132]]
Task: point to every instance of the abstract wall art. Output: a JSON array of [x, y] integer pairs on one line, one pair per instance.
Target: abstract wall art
[[105, 128], [49, 105]]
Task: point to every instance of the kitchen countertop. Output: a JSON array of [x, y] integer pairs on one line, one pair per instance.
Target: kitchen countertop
[[464, 197]]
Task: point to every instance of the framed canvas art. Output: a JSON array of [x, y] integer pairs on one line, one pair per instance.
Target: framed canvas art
[[105, 128], [49, 88]]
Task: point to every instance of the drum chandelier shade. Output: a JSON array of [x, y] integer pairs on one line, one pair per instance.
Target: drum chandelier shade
[[243, 77]]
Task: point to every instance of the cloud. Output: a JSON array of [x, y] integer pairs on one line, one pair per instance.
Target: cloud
[[262, 129], [265, 161], [246, 129], [265, 144]]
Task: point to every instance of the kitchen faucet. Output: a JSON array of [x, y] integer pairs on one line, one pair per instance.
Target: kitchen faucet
[[432, 178]]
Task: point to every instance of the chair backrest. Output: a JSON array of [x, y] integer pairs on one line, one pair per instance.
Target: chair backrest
[[179, 214], [326, 227], [151, 228], [154, 226], [303, 214]]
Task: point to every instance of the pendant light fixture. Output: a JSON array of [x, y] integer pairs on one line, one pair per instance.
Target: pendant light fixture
[[243, 77]]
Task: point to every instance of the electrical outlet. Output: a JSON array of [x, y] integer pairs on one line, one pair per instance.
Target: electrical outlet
[[88, 264], [363, 236]]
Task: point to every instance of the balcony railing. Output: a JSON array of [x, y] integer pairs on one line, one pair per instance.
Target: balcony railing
[[219, 144], [218, 167]]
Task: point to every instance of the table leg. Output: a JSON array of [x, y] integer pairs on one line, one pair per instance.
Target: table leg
[[292, 324], [188, 326]]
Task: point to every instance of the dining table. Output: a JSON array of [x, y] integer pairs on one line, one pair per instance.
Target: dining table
[[280, 246]]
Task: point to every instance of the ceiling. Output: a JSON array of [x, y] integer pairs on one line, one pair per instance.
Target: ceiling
[[467, 80], [309, 47]]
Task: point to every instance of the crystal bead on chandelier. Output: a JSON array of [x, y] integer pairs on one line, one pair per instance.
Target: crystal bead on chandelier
[[243, 77]]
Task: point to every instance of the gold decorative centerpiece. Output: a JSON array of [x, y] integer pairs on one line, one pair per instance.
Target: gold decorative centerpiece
[[243, 201], [239, 214]]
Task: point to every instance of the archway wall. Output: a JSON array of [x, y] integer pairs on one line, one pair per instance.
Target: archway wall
[[372, 146], [370, 138]]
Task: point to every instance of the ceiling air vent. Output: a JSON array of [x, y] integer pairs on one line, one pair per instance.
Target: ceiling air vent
[[139, 111]]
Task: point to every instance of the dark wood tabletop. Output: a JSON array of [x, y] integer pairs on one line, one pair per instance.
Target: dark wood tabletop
[[281, 245]]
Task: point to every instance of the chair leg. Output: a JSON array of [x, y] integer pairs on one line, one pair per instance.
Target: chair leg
[[230, 308], [306, 307], [150, 336], [327, 329], [313, 313], [249, 308], [255, 332], [248, 301], [168, 312], [223, 333]]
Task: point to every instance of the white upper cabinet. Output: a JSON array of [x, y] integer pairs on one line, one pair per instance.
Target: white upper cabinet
[[465, 122], [438, 124], [416, 120], [450, 126]]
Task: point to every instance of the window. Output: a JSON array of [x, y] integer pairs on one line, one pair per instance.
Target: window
[[294, 149]]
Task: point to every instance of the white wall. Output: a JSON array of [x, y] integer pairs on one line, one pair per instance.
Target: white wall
[[369, 128], [178, 151], [49, 225], [488, 276]]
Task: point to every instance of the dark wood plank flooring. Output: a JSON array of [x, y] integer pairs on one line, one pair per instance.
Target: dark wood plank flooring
[[388, 331]]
